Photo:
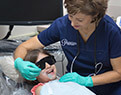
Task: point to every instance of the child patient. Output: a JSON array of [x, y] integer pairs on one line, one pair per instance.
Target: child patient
[[47, 82], [46, 62]]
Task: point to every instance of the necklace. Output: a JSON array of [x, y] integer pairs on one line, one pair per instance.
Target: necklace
[[85, 35], [87, 32]]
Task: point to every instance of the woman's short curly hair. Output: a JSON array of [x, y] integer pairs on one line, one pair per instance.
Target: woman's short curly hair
[[88, 7]]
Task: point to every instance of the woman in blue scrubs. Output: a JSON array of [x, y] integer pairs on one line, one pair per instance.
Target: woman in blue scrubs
[[91, 42]]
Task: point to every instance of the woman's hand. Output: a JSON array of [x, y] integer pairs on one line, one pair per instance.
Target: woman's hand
[[75, 77], [27, 69]]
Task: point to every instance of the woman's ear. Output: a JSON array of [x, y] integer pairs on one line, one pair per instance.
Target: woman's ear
[[94, 18]]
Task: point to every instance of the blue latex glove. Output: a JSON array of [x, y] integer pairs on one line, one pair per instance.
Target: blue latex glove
[[74, 77], [27, 69]]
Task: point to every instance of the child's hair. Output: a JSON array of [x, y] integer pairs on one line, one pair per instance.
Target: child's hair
[[33, 54], [32, 57]]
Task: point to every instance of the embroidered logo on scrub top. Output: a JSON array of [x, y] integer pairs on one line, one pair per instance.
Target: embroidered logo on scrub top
[[66, 42]]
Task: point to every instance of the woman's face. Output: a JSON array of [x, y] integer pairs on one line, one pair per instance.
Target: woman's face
[[80, 21], [47, 74]]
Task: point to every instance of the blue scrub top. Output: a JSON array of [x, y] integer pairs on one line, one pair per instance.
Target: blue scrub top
[[108, 44]]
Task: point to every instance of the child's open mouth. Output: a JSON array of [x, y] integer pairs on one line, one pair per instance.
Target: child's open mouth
[[50, 73]]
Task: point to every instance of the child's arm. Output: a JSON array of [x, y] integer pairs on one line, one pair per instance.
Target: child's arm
[[37, 91]]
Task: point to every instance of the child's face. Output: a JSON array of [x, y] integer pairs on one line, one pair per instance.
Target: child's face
[[47, 74]]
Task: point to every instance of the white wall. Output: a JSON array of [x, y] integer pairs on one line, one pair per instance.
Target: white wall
[[18, 31], [113, 10], [64, 10]]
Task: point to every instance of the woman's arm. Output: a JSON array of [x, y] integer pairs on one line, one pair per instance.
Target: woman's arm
[[104, 78], [27, 69], [30, 44], [110, 76]]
